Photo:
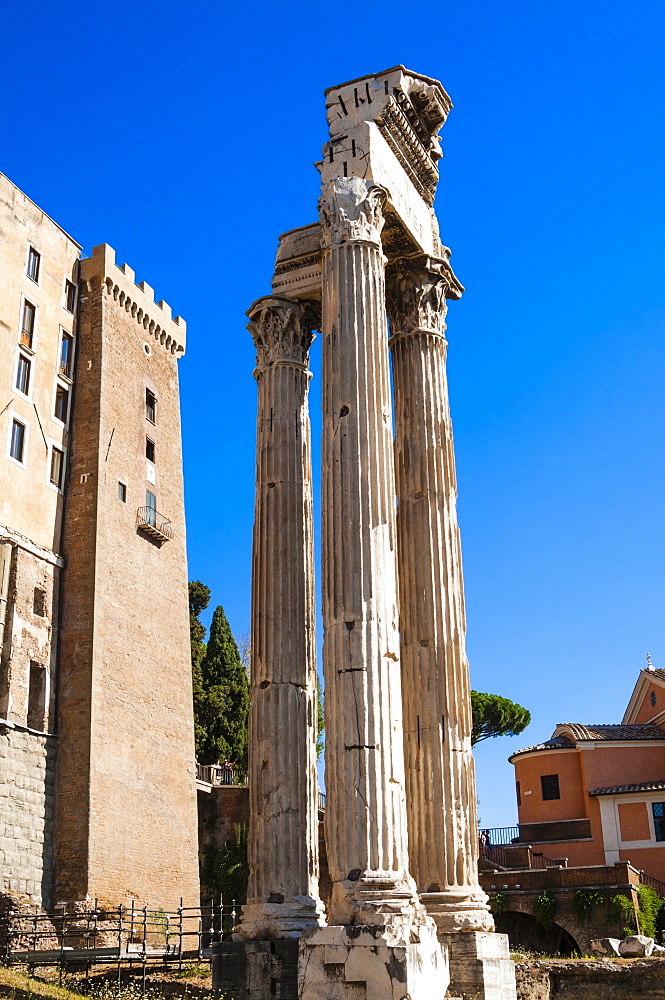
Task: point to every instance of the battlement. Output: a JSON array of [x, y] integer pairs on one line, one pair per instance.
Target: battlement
[[138, 298]]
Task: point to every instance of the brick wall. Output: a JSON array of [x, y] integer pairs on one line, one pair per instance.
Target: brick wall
[[126, 805]]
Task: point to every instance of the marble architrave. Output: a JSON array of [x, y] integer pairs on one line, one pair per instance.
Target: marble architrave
[[282, 895]]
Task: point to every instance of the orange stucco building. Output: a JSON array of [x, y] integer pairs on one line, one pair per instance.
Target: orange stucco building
[[595, 794]]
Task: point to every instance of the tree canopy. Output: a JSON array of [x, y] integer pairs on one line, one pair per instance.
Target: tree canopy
[[496, 716]]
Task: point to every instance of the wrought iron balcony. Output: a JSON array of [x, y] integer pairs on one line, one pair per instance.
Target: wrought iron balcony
[[154, 524]]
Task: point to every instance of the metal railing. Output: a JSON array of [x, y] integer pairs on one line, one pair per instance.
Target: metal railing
[[497, 855], [505, 857], [65, 368], [541, 861], [501, 834], [220, 774], [653, 883], [26, 338], [153, 523], [124, 936]]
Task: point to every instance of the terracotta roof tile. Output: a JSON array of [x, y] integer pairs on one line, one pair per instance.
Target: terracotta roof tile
[[609, 732], [641, 786], [558, 744]]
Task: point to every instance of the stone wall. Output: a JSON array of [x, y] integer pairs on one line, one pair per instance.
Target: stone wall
[[591, 980], [27, 763]]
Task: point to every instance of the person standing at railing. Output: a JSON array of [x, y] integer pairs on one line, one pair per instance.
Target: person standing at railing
[[227, 778]]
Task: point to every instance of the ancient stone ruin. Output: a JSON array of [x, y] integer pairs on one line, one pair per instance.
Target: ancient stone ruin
[[407, 915]]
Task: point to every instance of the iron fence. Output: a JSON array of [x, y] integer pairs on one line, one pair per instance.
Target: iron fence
[[123, 936]]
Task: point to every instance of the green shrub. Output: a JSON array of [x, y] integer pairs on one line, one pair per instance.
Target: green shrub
[[225, 870], [545, 908], [585, 901], [621, 908], [650, 906], [498, 903]]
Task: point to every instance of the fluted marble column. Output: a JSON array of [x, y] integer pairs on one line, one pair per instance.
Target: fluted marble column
[[282, 896], [440, 781], [366, 837]]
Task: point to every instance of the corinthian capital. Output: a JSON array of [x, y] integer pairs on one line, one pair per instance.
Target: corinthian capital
[[351, 209], [416, 293], [282, 330]]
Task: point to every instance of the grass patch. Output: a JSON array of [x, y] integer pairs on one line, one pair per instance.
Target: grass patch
[[20, 986]]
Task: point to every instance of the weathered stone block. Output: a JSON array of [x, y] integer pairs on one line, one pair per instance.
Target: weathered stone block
[[636, 946], [480, 965], [336, 963], [606, 946]]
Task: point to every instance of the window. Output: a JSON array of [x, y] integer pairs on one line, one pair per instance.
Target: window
[[149, 450], [122, 491], [28, 323], [66, 354], [23, 374], [151, 508], [659, 819], [39, 602], [550, 786], [61, 403], [70, 296], [518, 793], [151, 406], [652, 699], [37, 696], [57, 466], [17, 441], [34, 260]]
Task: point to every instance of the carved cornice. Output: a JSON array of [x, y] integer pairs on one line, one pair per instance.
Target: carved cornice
[[282, 331], [413, 149], [416, 293], [351, 210]]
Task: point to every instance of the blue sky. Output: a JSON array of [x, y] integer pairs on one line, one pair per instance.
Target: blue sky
[[184, 135]]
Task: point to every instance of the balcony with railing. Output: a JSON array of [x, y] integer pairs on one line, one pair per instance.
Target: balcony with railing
[[220, 774], [154, 524]]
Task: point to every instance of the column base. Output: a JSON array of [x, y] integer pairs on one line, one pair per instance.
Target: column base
[[270, 921], [255, 970], [356, 963], [480, 966], [459, 911]]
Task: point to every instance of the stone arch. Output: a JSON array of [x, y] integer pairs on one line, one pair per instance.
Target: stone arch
[[524, 931]]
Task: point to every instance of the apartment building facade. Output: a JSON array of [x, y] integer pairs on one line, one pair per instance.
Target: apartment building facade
[[97, 770], [595, 794]]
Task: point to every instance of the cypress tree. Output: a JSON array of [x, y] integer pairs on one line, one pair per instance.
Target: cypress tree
[[199, 599], [226, 696]]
